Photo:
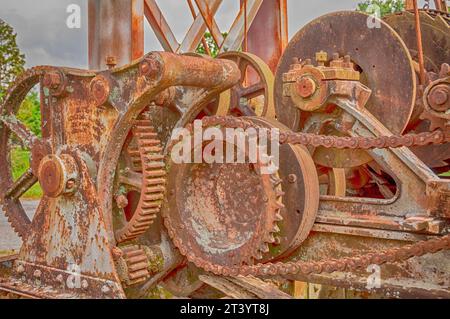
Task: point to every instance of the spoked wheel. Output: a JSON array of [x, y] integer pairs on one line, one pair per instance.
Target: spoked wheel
[[12, 190], [253, 95]]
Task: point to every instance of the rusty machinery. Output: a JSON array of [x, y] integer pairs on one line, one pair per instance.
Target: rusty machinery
[[362, 143]]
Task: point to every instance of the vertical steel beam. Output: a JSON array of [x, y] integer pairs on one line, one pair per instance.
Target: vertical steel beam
[[268, 35], [116, 29]]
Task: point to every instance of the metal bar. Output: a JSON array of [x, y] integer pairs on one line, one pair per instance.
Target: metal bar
[[208, 17], [137, 29], [194, 15], [234, 39], [197, 29], [160, 26], [419, 43], [268, 35], [441, 5], [116, 30]]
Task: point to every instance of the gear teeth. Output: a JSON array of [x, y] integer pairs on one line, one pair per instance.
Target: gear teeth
[[258, 255], [276, 229], [280, 193], [137, 264], [264, 248], [271, 239], [149, 157], [280, 205], [277, 240], [278, 217]]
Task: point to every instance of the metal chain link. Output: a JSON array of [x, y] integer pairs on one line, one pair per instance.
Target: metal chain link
[[330, 265], [307, 139]]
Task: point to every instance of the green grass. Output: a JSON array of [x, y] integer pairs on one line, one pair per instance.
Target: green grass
[[20, 161]]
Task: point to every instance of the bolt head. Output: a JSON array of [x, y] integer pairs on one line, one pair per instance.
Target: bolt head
[[292, 178], [37, 273], [439, 97], [321, 57], [111, 61], [150, 68], [100, 90], [70, 185], [52, 80]]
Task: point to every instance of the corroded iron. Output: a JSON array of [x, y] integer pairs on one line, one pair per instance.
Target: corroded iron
[[107, 228]]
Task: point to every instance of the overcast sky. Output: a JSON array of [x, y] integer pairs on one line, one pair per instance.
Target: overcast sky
[[45, 39]]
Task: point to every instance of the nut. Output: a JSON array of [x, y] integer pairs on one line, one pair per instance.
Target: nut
[[111, 61], [439, 97]]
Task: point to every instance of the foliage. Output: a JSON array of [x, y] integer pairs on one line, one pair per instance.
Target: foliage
[[11, 60], [30, 113], [213, 47], [20, 161], [386, 6]]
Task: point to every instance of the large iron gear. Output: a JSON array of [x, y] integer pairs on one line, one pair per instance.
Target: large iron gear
[[147, 175], [212, 221]]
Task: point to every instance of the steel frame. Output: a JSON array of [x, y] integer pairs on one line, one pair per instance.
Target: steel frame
[[265, 23]]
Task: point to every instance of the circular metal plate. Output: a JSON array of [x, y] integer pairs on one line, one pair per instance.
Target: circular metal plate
[[380, 53], [435, 34]]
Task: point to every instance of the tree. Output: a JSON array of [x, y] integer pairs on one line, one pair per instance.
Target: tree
[[386, 6], [213, 47], [12, 61]]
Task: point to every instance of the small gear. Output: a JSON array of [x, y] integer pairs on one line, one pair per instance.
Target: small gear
[[133, 265]]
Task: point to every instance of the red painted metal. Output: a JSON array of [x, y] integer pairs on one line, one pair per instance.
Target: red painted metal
[[116, 29], [268, 35]]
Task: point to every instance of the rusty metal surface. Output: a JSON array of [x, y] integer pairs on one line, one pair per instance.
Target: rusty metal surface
[[268, 35], [87, 119], [116, 30], [100, 161], [397, 254], [435, 30], [207, 216], [392, 80]]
